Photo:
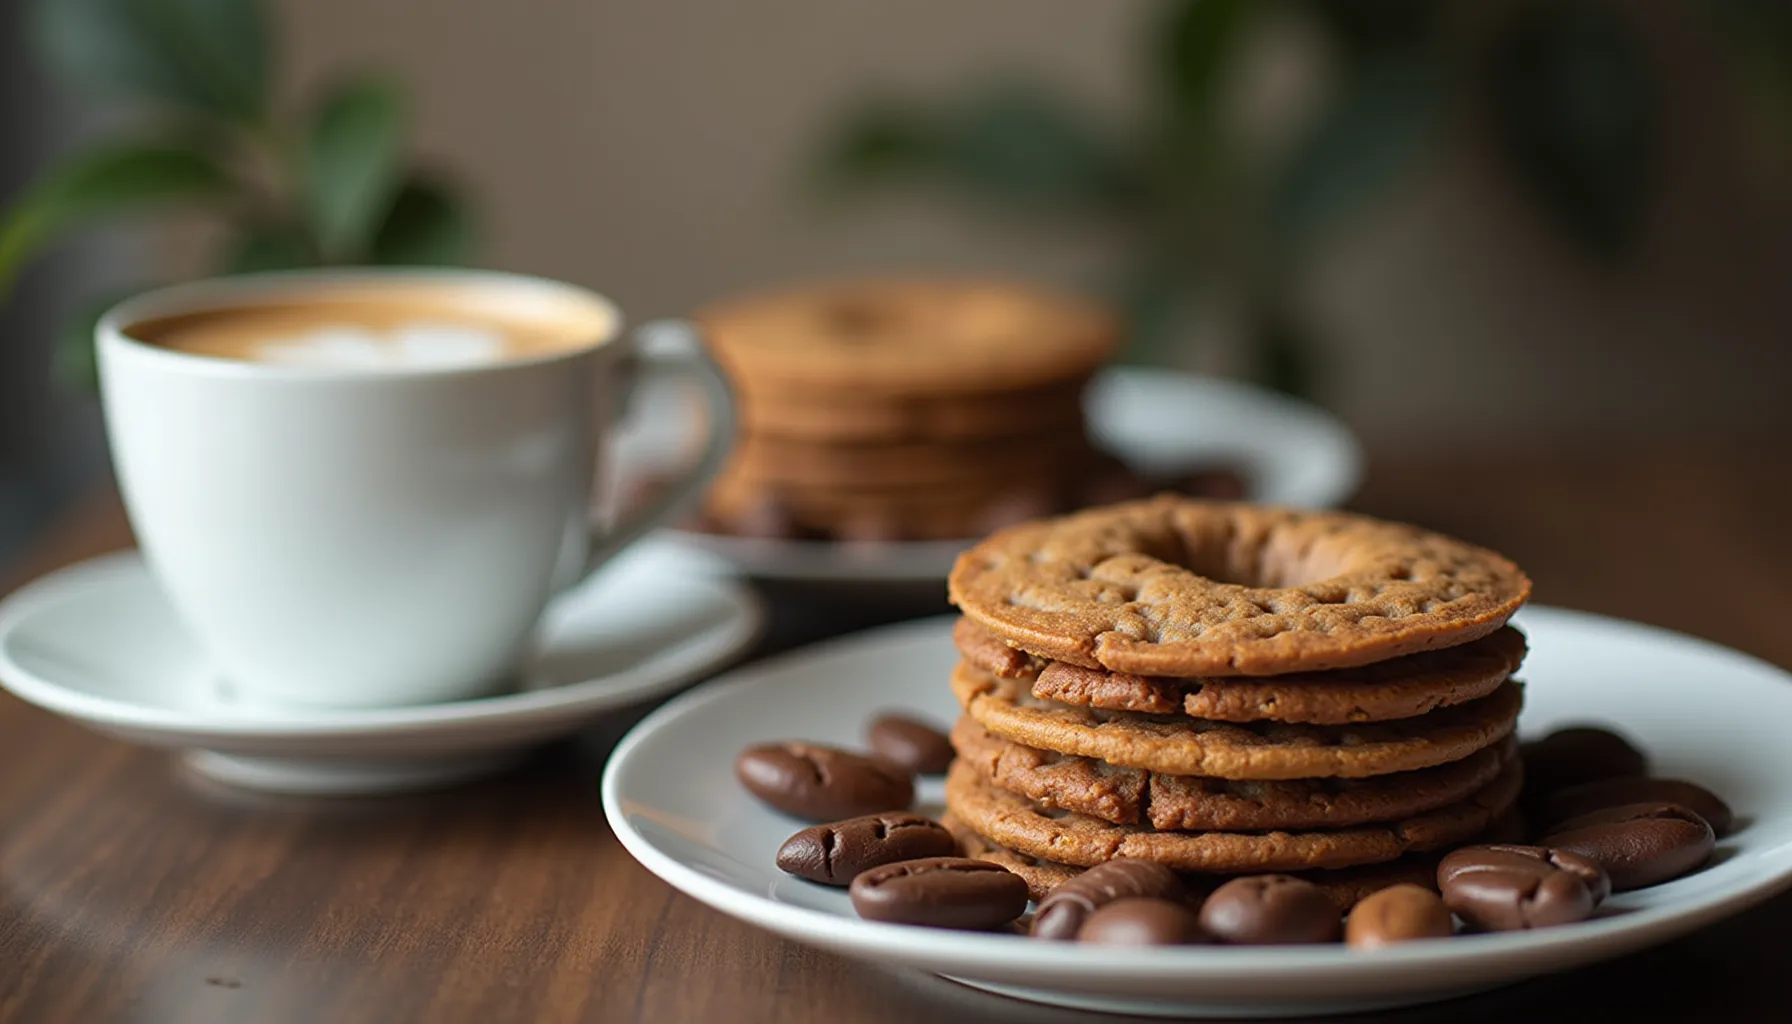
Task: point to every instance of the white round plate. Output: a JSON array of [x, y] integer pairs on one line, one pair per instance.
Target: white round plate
[[670, 794], [1157, 420], [99, 644]]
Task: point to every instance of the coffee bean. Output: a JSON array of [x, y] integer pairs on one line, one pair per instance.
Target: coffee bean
[[1397, 914], [1593, 796], [1598, 883], [820, 783], [940, 892], [836, 853], [1063, 910], [1270, 909], [1571, 756], [1510, 888], [910, 744], [1136, 921], [1639, 845]]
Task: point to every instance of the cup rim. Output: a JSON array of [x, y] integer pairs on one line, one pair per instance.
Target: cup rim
[[222, 292]]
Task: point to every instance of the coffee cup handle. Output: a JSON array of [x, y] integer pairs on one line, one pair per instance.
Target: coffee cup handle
[[671, 348]]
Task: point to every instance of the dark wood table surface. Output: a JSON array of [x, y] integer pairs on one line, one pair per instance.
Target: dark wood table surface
[[129, 891]]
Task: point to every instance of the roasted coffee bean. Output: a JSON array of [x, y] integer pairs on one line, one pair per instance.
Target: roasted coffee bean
[[910, 744], [1639, 845], [819, 783], [1569, 757], [1270, 909], [1598, 883], [1136, 921], [1397, 914], [1587, 797], [1063, 910], [835, 853], [940, 892], [1510, 888]]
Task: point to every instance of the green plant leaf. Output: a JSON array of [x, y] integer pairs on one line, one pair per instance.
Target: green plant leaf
[[74, 364], [205, 56], [1354, 150], [263, 247], [879, 143], [352, 165], [1369, 27], [1024, 147], [1575, 116], [1756, 43], [1194, 43], [119, 179], [426, 226]]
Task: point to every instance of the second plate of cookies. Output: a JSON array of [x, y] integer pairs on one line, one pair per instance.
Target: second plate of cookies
[[883, 421], [1162, 428]]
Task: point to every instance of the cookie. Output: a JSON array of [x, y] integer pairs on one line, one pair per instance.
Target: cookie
[[1177, 586], [911, 464], [1401, 688], [892, 337], [1344, 886], [737, 504], [853, 418], [1130, 796], [737, 483], [1176, 745], [984, 651], [1011, 820]]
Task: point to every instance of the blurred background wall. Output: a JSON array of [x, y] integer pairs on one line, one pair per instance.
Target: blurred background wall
[[653, 149], [656, 150]]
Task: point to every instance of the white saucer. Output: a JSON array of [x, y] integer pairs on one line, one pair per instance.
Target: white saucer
[[1157, 420], [99, 644], [1702, 712]]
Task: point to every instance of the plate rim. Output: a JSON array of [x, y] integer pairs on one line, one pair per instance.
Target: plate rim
[[676, 665], [1507, 955]]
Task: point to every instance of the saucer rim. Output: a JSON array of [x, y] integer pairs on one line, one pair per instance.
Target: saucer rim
[[668, 669]]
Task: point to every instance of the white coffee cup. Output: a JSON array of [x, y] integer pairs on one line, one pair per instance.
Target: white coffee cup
[[356, 537]]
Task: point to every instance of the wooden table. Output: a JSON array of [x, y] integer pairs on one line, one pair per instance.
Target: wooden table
[[129, 891]]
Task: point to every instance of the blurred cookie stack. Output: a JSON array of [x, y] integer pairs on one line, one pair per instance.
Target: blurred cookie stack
[[905, 410], [1226, 689]]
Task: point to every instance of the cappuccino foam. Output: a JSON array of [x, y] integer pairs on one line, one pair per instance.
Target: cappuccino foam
[[390, 327], [406, 347]]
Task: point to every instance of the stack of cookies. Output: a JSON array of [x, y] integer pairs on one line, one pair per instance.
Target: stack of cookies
[[904, 410], [1227, 689]]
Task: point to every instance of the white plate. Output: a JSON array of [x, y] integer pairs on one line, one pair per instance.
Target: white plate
[[1158, 420], [99, 644], [670, 794]]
